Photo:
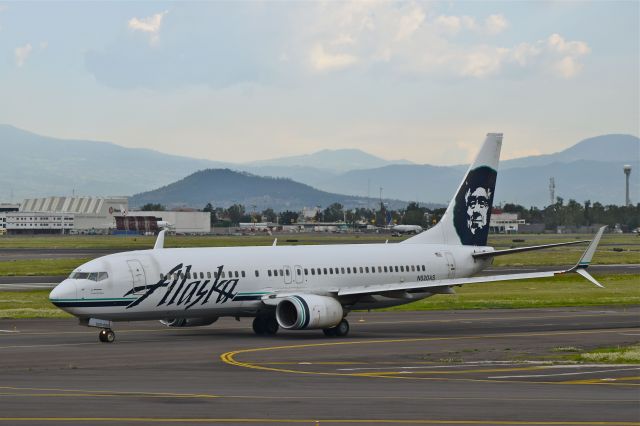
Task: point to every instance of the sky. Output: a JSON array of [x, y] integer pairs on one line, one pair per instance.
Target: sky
[[253, 80]]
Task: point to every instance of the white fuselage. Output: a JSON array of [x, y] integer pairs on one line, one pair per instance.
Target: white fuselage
[[214, 282]]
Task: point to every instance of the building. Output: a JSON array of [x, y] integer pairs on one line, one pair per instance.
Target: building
[[504, 223], [37, 223]]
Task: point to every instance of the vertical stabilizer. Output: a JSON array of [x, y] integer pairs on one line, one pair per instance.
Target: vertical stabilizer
[[466, 221]]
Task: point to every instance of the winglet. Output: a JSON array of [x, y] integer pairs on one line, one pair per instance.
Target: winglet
[[275, 242], [159, 241], [585, 260]]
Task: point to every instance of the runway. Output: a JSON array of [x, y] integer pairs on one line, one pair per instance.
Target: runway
[[508, 367]]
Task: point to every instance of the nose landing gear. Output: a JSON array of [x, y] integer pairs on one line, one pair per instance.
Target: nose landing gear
[[107, 335]]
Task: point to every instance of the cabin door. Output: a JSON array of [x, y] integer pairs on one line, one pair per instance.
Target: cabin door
[[138, 277], [451, 265]]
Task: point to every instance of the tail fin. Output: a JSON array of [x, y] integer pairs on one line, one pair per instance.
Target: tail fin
[[466, 221]]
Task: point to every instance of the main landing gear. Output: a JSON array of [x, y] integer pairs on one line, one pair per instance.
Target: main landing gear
[[107, 335], [265, 325], [340, 330]]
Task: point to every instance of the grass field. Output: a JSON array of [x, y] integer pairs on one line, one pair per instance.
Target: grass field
[[571, 290]]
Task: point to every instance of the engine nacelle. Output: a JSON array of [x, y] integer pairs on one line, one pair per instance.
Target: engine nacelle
[[308, 312], [188, 322]]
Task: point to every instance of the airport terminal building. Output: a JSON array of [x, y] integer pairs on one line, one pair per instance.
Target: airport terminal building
[[93, 215]]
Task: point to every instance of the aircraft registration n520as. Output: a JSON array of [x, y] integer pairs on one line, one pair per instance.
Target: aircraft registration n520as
[[299, 287]]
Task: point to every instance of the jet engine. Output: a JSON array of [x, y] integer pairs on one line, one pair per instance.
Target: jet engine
[[188, 322], [308, 312]]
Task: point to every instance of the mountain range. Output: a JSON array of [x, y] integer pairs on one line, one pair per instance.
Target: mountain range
[[35, 165]]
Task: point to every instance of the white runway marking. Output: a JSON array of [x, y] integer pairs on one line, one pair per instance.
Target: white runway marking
[[9, 331], [562, 374]]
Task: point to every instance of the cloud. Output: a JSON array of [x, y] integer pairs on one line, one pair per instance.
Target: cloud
[[410, 23], [150, 25], [321, 60], [484, 61], [22, 54], [495, 24]]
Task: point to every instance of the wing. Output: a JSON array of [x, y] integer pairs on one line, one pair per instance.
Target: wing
[[580, 268]]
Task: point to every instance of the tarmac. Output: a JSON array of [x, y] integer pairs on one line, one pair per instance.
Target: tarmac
[[506, 367]]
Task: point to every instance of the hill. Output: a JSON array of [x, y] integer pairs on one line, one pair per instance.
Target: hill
[[224, 187]]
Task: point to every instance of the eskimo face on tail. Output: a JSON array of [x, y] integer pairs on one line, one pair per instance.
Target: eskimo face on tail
[[473, 206]]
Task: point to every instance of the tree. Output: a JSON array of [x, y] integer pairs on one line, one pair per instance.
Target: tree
[[414, 215], [214, 217], [150, 207], [268, 215], [288, 217], [333, 213], [235, 213]]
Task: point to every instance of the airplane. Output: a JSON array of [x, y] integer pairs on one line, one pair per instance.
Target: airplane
[[407, 229], [300, 287]]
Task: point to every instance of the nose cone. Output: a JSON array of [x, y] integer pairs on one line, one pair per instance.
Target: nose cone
[[63, 291]]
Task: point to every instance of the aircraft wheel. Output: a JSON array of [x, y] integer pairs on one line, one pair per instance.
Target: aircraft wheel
[[342, 329], [259, 326], [271, 326], [107, 335]]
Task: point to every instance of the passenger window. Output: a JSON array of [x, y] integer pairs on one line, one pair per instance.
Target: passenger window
[[348, 270], [342, 270], [325, 271], [373, 269], [319, 271], [299, 272], [380, 269], [161, 276], [269, 272], [222, 274], [401, 268], [366, 269], [257, 273], [331, 271], [215, 275], [413, 268], [397, 269], [281, 273], [385, 269], [361, 270], [201, 275], [423, 267], [306, 271], [208, 274], [407, 268], [313, 271], [242, 274], [286, 271]]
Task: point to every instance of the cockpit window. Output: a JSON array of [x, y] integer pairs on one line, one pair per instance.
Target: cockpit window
[[93, 276]]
